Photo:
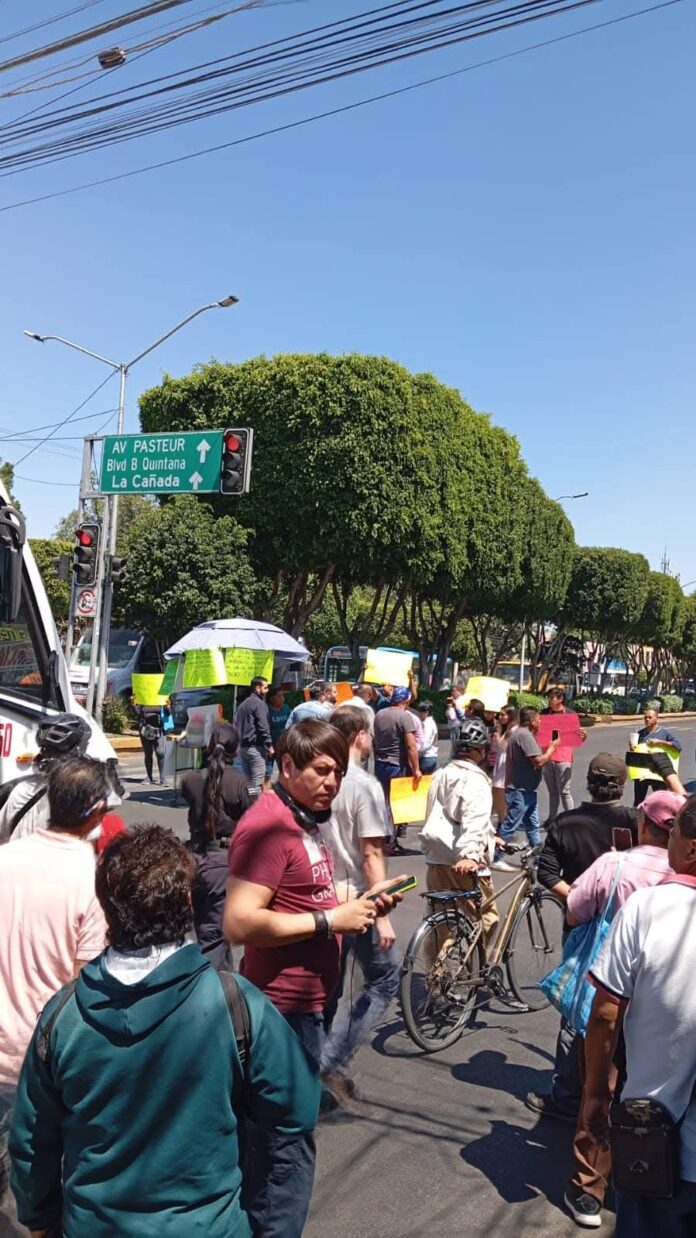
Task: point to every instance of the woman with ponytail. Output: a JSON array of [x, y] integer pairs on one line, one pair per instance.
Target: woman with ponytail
[[216, 797]]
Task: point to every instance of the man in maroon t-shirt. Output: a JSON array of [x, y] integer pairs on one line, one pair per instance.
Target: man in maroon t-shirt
[[281, 902]]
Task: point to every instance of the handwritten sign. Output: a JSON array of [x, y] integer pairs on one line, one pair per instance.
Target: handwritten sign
[[169, 678], [243, 665], [568, 727], [408, 805], [204, 668], [492, 692], [388, 666], [146, 690]]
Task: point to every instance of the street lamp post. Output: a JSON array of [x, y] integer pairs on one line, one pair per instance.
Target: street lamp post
[[523, 652], [102, 618]]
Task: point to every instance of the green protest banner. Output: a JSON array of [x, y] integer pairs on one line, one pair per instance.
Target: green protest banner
[[171, 671], [204, 668], [243, 665]]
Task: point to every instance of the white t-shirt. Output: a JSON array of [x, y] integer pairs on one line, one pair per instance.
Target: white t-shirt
[[430, 737], [358, 812], [648, 959]]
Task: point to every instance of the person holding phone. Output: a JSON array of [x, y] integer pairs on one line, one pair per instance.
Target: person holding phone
[[642, 866], [355, 836], [558, 773]]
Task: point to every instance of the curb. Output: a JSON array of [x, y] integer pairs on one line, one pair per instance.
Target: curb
[[125, 743]]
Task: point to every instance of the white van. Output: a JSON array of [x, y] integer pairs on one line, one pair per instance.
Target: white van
[[130, 653]]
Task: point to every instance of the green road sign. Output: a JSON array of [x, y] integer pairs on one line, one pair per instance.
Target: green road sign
[[152, 463]]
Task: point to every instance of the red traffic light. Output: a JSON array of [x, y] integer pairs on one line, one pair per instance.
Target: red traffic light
[[84, 537], [232, 442]]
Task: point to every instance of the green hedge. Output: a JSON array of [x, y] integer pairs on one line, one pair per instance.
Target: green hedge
[[671, 704], [627, 704], [690, 701], [594, 704], [529, 700], [116, 716]]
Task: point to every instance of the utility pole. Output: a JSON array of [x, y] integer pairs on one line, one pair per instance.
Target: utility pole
[[107, 542]]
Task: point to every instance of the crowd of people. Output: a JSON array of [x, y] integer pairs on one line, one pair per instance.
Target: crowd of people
[[116, 966]]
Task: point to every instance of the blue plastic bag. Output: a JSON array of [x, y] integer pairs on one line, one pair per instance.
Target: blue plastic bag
[[567, 986]]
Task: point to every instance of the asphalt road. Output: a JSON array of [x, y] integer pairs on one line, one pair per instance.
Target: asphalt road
[[441, 1144]]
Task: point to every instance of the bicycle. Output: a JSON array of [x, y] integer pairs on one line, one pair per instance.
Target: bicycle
[[448, 962]]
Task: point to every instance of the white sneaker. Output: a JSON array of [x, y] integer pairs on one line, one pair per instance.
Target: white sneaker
[[502, 866], [585, 1210]]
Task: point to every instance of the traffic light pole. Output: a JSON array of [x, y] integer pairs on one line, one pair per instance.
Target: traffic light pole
[[97, 624], [104, 586], [110, 505]]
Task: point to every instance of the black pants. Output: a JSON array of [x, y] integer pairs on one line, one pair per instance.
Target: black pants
[[643, 787], [150, 747]]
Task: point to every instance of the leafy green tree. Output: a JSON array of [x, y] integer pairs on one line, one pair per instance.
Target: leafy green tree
[[351, 477], [184, 566], [46, 550], [7, 479], [607, 591]]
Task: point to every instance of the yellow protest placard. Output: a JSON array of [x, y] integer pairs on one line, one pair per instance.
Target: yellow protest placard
[[204, 668], [388, 666], [146, 690], [243, 665], [408, 805], [493, 692]]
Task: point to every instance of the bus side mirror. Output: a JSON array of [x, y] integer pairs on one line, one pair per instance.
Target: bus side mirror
[[13, 535]]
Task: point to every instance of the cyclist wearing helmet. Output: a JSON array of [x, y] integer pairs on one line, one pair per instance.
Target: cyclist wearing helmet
[[457, 835], [26, 807]]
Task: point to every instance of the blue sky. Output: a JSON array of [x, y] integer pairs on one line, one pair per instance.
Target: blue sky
[[524, 231]]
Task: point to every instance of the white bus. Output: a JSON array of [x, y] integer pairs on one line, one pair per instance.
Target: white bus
[[33, 676]]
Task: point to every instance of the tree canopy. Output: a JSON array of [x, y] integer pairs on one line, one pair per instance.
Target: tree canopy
[[183, 566]]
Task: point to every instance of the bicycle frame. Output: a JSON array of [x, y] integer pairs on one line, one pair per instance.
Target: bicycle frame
[[525, 883]]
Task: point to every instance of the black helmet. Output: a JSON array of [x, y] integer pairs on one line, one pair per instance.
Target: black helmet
[[66, 733], [473, 734]]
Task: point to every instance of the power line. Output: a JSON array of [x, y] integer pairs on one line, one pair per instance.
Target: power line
[[336, 111], [40, 481], [397, 44], [69, 417], [94, 32], [50, 21], [56, 424]]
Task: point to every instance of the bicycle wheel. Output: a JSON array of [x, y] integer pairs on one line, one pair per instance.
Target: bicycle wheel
[[440, 976], [535, 946]]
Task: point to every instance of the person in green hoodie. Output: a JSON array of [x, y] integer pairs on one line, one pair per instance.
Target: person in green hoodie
[[133, 1114]]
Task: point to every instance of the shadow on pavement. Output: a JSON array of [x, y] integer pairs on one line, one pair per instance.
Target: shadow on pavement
[[522, 1164], [491, 1069]]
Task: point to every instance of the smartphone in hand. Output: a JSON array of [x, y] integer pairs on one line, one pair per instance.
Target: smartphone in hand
[[622, 839]]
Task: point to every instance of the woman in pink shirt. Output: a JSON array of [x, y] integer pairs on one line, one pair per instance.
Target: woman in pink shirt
[[644, 865]]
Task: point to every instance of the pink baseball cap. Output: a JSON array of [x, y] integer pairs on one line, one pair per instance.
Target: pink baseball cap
[[661, 807]]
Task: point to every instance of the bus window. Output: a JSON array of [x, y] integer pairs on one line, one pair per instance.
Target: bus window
[[24, 664]]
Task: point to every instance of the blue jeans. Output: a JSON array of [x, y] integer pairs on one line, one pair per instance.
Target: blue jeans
[[254, 764], [522, 813], [384, 772], [355, 1020], [309, 1028], [643, 1217], [428, 765]]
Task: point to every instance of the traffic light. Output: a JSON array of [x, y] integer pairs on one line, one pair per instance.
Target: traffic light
[[86, 553], [118, 569], [236, 461]]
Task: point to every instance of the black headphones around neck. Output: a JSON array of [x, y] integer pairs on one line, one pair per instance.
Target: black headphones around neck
[[304, 816]]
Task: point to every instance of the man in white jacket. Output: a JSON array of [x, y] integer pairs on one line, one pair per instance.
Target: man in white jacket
[[457, 836]]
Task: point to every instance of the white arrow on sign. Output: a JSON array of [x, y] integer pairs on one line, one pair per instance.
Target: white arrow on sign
[[195, 480], [203, 449]]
